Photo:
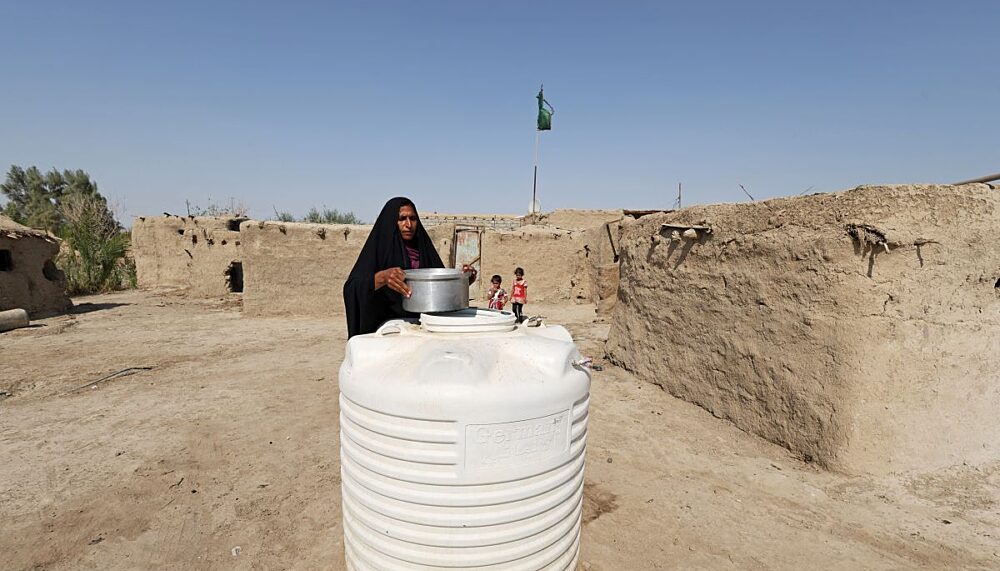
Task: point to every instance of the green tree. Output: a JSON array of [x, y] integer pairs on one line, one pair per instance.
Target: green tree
[[35, 199], [68, 204]]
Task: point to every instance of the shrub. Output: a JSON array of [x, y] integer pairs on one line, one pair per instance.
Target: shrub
[[95, 255], [233, 209], [283, 216], [328, 216]]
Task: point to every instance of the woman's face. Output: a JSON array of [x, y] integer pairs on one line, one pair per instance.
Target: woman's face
[[407, 222]]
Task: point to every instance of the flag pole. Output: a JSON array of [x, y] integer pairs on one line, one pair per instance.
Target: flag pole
[[534, 182]]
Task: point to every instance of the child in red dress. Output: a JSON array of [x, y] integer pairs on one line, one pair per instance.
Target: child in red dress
[[519, 294]]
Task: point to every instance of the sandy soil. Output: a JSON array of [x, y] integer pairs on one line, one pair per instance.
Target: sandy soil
[[224, 456]]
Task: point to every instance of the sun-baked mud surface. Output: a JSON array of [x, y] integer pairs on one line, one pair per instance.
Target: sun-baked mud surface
[[230, 441]]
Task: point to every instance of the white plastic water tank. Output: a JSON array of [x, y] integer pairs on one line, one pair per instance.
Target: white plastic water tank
[[462, 445]]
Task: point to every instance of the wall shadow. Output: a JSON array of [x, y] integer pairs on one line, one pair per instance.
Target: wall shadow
[[92, 307]]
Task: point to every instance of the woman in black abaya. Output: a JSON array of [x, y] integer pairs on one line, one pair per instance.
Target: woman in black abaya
[[374, 291]]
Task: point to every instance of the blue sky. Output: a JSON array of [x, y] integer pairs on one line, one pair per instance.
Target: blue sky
[[345, 104]]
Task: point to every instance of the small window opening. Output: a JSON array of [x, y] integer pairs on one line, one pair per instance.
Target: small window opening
[[6, 261], [234, 225], [180, 231], [194, 239], [50, 271], [234, 277]]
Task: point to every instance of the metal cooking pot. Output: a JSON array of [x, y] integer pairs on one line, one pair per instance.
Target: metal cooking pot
[[435, 290]]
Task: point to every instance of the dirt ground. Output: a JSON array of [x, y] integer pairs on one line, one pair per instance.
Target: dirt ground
[[224, 455]]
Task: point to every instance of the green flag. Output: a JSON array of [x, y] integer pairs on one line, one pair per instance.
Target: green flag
[[544, 115]]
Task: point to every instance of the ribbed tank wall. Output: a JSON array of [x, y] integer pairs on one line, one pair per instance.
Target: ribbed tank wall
[[410, 504]]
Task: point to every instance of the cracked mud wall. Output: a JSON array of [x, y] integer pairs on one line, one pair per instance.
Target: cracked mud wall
[[29, 278], [554, 263], [601, 251], [189, 252], [294, 268], [859, 329], [575, 219], [443, 236]]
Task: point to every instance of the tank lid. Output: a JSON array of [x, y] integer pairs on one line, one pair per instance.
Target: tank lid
[[470, 320]]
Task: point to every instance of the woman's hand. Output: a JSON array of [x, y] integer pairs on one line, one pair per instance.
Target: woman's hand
[[394, 278], [472, 272]]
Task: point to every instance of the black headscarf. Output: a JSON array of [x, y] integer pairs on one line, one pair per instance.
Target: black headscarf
[[367, 309]]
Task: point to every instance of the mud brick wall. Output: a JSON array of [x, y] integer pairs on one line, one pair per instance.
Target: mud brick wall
[[859, 329]]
